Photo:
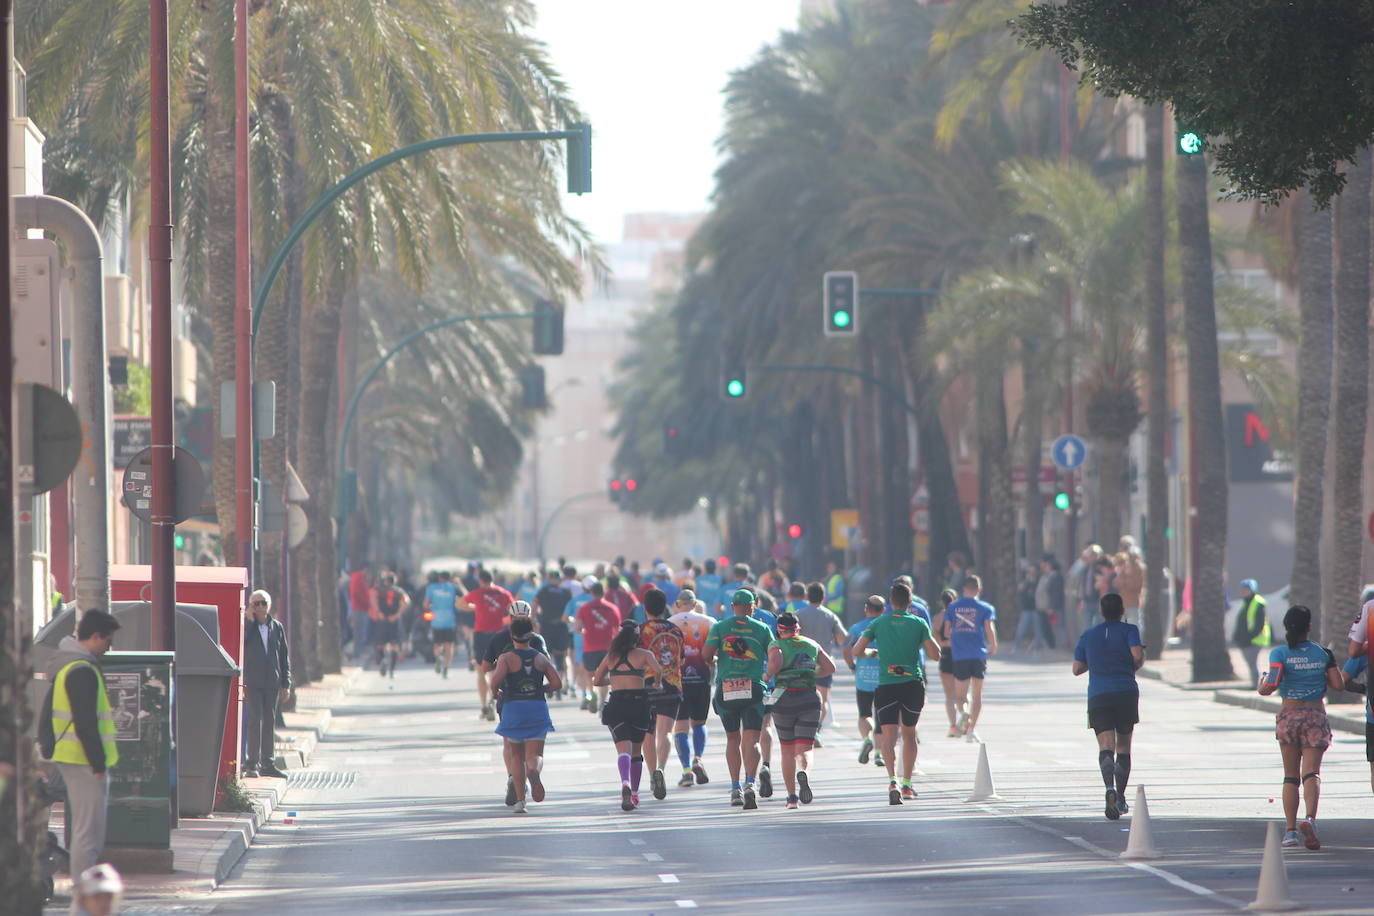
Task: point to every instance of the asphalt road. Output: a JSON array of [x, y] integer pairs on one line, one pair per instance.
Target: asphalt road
[[407, 817]]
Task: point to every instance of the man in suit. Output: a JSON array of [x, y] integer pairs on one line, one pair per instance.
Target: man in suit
[[266, 682]]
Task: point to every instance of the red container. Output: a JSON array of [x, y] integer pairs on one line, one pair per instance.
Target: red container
[[225, 587]]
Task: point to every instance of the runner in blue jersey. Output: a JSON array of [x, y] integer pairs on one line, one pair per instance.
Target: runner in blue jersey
[[969, 625], [1110, 654], [708, 586], [865, 668], [1301, 671], [740, 579], [1354, 667], [441, 599]]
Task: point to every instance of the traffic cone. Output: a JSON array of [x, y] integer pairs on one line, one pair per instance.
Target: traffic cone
[[1273, 879], [1140, 844], [983, 789]]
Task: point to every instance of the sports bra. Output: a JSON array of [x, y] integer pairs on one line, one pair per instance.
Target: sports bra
[[623, 668]]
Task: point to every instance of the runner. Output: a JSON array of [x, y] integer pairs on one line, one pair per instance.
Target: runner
[[1301, 672], [796, 597], [901, 692], [969, 626], [797, 663], [620, 596], [528, 589], [597, 621], [1111, 653], [489, 605], [739, 574], [820, 625], [947, 682], [741, 644], [1354, 667], [766, 732], [441, 599], [386, 630], [695, 623], [551, 602], [500, 644], [865, 668], [709, 585], [518, 681], [664, 640], [625, 667]]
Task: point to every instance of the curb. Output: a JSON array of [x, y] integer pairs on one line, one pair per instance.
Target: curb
[[1340, 721]]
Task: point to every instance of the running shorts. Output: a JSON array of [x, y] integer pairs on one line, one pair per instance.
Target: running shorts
[[899, 702], [797, 717], [946, 661], [592, 660], [865, 698], [1304, 726], [1369, 741], [627, 715], [444, 634], [741, 714], [481, 642], [966, 668], [556, 636], [385, 631], [467, 619], [1118, 711], [696, 703], [665, 702], [827, 681]]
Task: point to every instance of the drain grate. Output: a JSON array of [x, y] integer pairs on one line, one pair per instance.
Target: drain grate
[[321, 779]]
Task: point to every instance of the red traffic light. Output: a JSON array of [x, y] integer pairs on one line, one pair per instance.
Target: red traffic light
[[615, 485], [794, 531], [673, 432], [632, 485], [723, 561]]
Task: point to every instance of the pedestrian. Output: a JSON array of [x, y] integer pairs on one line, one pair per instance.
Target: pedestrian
[[97, 891], [1111, 653], [266, 683], [1034, 630], [551, 604], [83, 733], [865, 668], [834, 587], [708, 586], [1354, 667], [1130, 582], [390, 603], [499, 645], [441, 600], [820, 625], [740, 574], [1301, 671], [970, 627], [947, 682], [625, 668], [1081, 592], [1251, 632], [664, 640], [489, 605], [901, 693], [691, 618], [360, 612], [521, 679], [738, 646], [795, 664], [597, 622], [956, 568]]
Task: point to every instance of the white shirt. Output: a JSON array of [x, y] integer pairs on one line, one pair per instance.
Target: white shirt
[[1359, 630], [266, 630]]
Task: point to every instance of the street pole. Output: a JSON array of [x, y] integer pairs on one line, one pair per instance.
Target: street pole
[[160, 283], [243, 304]]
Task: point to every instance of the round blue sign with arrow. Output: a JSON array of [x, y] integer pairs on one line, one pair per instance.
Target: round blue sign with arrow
[[1069, 452]]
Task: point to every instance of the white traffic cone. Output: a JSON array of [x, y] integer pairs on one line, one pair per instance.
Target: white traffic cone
[[1140, 844], [983, 789], [1273, 878]]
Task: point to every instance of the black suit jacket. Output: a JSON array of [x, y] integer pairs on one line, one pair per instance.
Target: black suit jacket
[[270, 666]]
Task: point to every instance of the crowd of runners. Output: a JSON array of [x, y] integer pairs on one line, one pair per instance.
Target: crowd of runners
[[660, 656]]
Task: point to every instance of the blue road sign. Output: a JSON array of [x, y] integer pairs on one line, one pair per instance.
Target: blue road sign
[[1068, 453]]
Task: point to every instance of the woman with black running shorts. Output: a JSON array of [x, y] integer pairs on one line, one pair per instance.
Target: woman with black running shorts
[[627, 712]]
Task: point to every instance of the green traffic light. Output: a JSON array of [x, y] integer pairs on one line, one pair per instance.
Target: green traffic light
[[180, 542], [1061, 502], [841, 318], [1190, 142], [735, 388]]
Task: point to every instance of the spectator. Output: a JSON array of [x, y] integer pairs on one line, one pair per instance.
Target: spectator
[[97, 891], [360, 611], [266, 682], [1251, 632], [1081, 588], [1130, 582]]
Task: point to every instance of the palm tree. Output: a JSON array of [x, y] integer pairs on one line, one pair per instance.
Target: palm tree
[[1157, 371]]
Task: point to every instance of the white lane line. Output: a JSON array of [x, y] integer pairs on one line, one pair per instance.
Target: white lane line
[[686, 904], [668, 879], [652, 857], [466, 757], [636, 841]]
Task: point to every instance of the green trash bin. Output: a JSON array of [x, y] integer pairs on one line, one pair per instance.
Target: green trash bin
[[142, 784]]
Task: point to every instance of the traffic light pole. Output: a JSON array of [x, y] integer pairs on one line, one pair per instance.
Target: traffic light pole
[[548, 523]]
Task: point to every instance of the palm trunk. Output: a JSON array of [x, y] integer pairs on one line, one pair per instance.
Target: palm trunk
[[996, 525], [1314, 410], [1351, 377], [1111, 486], [1211, 659], [1157, 371], [1033, 382]]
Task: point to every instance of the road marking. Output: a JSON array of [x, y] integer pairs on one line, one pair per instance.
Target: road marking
[[636, 841], [652, 857], [668, 879], [467, 757], [686, 904]]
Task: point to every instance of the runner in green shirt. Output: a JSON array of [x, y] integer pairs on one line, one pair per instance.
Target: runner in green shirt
[[738, 645], [794, 664], [901, 692]]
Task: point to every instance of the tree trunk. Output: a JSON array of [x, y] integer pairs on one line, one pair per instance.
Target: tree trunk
[[1350, 403], [1111, 486], [1157, 377], [1314, 410], [218, 295], [997, 522], [1033, 382], [1211, 659]]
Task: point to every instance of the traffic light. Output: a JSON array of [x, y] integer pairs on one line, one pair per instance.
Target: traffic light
[[673, 442], [1190, 142], [1061, 502], [631, 485], [616, 490], [580, 159], [548, 329], [794, 531], [180, 542], [734, 384], [532, 394], [840, 303]]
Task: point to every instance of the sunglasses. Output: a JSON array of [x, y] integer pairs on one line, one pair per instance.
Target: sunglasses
[[257, 604]]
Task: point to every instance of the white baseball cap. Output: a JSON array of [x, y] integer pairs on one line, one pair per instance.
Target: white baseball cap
[[99, 879]]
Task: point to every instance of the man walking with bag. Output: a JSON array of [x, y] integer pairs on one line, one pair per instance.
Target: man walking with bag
[[266, 681]]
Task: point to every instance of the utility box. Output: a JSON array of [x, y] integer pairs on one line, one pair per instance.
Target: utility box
[[143, 700]]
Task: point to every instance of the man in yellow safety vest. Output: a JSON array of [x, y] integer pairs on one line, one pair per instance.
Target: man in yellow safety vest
[[84, 729]]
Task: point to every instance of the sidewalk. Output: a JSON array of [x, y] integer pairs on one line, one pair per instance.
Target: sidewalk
[[1175, 669], [205, 850]]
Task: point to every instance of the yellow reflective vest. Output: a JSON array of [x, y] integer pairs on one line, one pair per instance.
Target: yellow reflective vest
[[834, 595], [68, 748]]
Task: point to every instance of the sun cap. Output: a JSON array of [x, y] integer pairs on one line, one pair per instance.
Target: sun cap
[[742, 596], [1250, 584], [686, 596], [662, 569], [99, 879], [520, 609], [588, 582]]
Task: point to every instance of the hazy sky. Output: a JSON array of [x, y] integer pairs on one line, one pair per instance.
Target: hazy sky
[[649, 74]]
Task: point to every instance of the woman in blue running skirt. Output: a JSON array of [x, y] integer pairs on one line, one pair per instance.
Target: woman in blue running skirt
[[522, 679]]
